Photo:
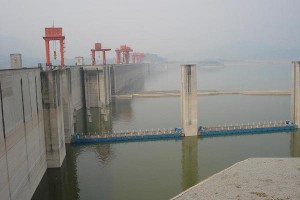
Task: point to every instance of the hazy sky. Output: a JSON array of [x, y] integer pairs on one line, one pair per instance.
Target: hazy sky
[[175, 29]]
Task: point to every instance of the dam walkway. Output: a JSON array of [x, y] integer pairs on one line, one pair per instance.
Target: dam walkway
[[177, 133]]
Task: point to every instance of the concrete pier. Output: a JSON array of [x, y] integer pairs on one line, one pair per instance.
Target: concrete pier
[[67, 104], [189, 100], [97, 87], [53, 116], [296, 92], [254, 178]]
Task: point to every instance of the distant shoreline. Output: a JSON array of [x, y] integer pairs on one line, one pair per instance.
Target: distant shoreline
[[176, 93]]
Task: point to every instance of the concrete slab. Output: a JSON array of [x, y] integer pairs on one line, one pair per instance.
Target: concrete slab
[[254, 178]]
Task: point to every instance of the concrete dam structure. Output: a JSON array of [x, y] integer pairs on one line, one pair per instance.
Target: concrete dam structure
[[37, 115], [39, 109], [23, 159]]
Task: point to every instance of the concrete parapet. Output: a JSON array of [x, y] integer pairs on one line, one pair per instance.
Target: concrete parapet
[[254, 178], [52, 88], [296, 92]]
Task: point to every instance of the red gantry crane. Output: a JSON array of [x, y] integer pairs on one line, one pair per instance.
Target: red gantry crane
[[54, 33], [98, 47], [137, 57], [123, 54]]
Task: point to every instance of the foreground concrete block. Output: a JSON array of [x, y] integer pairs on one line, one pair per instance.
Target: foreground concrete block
[[254, 178]]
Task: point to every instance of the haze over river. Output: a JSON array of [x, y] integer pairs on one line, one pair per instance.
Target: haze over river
[[162, 169]]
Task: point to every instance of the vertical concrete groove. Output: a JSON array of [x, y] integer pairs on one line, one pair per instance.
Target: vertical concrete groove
[[2, 112], [25, 131], [36, 97], [37, 111], [98, 85], [29, 87], [5, 145]]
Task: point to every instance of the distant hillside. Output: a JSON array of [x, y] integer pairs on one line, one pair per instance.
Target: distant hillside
[[210, 63], [154, 58]]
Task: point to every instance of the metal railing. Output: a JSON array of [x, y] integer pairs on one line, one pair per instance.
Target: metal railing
[[120, 133], [247, 126]]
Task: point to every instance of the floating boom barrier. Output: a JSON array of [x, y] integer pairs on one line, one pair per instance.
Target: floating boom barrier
[[247, 129], [127, 136], [178, 133]]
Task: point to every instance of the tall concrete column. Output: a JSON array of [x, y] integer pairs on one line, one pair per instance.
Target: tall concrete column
[[53, 117], [68, 109], [296, 92], [189, 99]]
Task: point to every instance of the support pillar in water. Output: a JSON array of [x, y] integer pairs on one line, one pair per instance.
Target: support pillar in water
[[53, 117], [296, 92], [189, 100]]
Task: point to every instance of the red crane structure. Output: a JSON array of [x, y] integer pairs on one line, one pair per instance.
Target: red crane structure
[[54, 33], [137, 57], [123, 54], [98, 47]]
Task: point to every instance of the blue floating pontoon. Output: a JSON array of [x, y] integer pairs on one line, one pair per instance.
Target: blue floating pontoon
[[94, 139]]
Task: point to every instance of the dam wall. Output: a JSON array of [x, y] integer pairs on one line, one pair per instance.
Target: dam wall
[[38, 110], [128, 78], [22, 138]]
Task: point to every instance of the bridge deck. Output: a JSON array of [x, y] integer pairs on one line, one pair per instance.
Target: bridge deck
[[172, 134]]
